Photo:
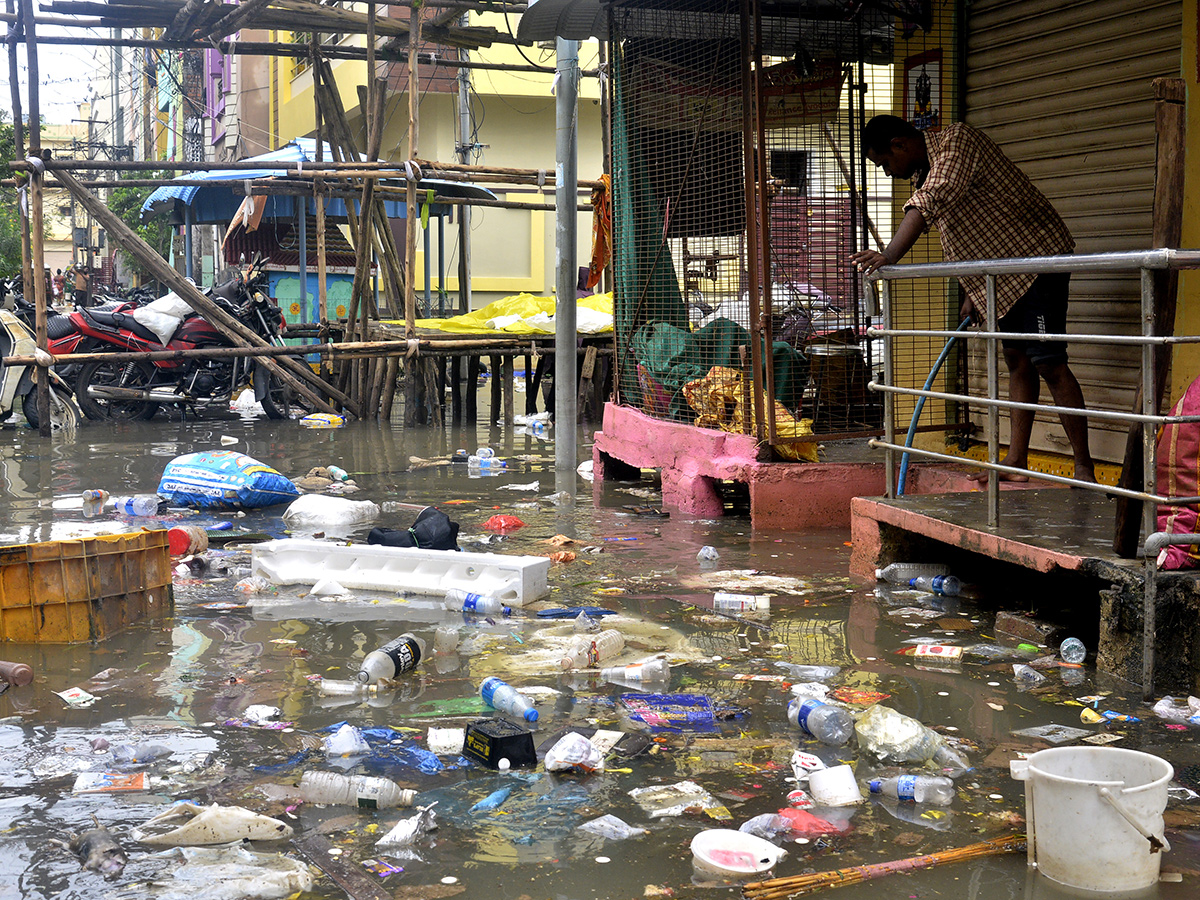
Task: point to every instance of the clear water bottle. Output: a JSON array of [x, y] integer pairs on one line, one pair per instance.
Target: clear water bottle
[[808, 673], [708, 554], [1072, 650], [485, 453], [827, 723], [362, 791], [485, 463], [589, 652], [903, 573], [467, 602], [945, 585], [136, 506], [392, 659], [656, 669], [337, 473], [932, 789], [540, 428], [504, 697]]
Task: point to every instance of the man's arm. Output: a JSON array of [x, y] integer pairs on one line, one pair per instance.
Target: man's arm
[[912, 226]]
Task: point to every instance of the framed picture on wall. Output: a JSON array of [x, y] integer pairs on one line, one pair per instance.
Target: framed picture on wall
[[923, 90]]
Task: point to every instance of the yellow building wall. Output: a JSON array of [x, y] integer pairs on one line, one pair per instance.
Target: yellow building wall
[[1186, 362]]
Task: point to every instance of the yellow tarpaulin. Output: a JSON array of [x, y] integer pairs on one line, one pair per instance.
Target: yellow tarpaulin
[[718, 399], [527, 314]]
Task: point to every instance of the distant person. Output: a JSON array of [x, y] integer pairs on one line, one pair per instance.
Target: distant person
[[58, 285], [81, 285], [984, 207]]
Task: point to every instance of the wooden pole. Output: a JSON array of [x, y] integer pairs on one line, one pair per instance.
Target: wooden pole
[[37, 249], [1171, 125], [14, 83], [289, 371]]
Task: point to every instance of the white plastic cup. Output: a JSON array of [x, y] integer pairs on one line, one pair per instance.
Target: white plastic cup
[[835, 786]]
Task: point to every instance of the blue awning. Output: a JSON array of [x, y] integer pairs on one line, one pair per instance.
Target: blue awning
[[213, 197]]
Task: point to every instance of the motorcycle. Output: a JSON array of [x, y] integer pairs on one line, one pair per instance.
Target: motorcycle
[[135, 390], [19, 383], [66, 333]]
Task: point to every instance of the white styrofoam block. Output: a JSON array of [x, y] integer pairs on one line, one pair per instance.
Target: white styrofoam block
[[516, 580]]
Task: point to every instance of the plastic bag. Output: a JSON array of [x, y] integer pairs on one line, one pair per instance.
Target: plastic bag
[[223, 479], [574, 753], [347, 741], [162, 316], [612, 828], [319, 510], [503, 524]]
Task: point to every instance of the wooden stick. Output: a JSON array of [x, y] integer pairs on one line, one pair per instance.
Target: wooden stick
[[779, 888], [37, 232]]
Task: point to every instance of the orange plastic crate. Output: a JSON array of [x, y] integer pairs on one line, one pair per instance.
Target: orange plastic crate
[[84, 589]]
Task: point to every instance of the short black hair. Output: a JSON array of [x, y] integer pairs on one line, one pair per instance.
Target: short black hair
[[878, 133]]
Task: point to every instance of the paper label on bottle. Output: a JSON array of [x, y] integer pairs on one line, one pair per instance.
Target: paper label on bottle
[[906, 787], [404, 653]]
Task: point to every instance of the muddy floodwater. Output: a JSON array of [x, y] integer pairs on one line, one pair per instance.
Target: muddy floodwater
[[186, 683]]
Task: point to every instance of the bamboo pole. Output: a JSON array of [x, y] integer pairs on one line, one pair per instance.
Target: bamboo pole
[[14, 83], [410, 299], [37, 234], [289, 371]]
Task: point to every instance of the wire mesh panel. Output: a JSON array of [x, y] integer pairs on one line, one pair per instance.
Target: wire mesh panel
[[735, 215]]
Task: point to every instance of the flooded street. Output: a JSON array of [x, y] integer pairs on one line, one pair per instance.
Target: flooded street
[[186, 685]]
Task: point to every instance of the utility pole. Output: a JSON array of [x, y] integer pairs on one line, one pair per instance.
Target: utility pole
[[465, 147], [566, 216]]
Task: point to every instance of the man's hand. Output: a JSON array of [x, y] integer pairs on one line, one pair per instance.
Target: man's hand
[[870, 260], [967, 310]]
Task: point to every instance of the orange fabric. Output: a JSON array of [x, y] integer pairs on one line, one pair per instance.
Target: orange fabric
[[601, 231]]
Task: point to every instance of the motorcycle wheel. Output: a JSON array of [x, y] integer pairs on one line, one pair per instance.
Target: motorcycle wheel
[[64, 412], [115, 374], [282, 401]]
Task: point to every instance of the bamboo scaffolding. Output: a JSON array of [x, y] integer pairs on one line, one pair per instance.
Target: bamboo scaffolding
[[781, 888], [37, 230]]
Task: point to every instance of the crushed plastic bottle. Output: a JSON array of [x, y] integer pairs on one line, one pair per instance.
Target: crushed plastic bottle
[[363, 791], [829, 724], [656, 669], [465, 601], [1072, 650], [931, 789], [902, 573], [1027, 675], [893, 737], [485, 463], [587, 652], [945, 585], [393, 658], [504, 697], [808, 673]]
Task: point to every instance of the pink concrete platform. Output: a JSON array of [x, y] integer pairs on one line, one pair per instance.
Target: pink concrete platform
[[1044, 530], [693, 460]]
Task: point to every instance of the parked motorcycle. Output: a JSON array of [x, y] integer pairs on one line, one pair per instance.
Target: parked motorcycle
[[18, 383], [135, 390], [66, 333]]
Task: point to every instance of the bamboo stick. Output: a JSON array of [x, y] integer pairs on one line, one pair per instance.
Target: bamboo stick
[[780, 888], [37, 231], [410, 298], [14, 83]]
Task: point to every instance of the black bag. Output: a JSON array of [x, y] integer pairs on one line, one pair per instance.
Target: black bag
[[432, 530]]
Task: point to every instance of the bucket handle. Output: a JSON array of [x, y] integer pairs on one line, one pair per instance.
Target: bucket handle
[[1157, 842]]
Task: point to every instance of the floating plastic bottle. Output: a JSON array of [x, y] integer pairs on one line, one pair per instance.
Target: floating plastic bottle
[[903, 573], [445, 639], [540, 428], [708, 554], [724, 600], [95, 496], [1072, 650], [337, 473], [656, 669], [468, 602], [945, 585], [896, 738], [362, 791], [139, 754], [392, 659], [589, 652], [485, 453], [932, 789], [186, 540], [136, 506], [808, 673], [829, 724], [485, 462], [334, 687], [504, 697]]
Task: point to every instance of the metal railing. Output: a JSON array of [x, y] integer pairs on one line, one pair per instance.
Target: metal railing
[[1145, 262]]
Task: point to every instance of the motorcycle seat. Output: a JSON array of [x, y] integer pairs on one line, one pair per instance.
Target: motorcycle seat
[[59, 326], [112, 319]]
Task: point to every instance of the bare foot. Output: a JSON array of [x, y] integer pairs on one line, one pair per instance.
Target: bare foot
[[982, 477], [1085, 473]]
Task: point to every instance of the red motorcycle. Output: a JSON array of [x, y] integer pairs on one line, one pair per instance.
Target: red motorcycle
[[135, 390]]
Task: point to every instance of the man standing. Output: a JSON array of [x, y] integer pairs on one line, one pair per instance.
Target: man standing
[[984, 207]]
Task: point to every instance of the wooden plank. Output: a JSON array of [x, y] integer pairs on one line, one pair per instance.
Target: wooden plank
[[349, 877]]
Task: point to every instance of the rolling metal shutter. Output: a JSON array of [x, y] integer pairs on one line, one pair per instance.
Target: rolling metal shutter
[[1065, 89]]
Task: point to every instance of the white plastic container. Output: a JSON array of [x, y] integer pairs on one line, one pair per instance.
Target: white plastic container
[[835, 786], [733, 854], [1094, 816], [516, 580]]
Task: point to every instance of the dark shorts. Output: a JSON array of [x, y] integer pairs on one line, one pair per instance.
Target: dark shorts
[[1041, 310]]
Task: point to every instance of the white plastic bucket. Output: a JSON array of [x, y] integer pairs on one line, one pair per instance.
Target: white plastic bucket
[[1094, 816], [733, 854], [836, 786]]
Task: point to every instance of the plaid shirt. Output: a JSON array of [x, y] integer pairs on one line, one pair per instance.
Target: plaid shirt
[[986, 208]]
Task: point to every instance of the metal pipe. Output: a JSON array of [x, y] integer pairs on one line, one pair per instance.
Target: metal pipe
[[1123, 339], [993, 385], [889, 400], [1149, 483], [1084, 262], [566, 219]]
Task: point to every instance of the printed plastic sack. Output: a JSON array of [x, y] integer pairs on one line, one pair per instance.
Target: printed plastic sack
[[223, 479], [1178, 476]]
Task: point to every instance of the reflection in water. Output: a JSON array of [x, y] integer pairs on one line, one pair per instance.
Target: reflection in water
[[187, 684]]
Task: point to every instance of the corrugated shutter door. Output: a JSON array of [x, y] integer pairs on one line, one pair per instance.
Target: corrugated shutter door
[[1065, 89]]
